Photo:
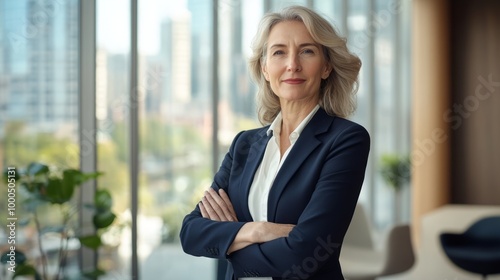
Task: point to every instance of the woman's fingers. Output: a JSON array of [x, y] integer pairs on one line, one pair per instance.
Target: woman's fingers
[[209, 210], [228, 203], [218, 207], [203, 211]]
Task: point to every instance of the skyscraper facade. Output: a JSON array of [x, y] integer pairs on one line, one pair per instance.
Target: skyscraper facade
[[39, 65]]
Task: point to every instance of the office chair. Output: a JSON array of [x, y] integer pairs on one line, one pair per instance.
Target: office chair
[[477, 249], [359, 258]]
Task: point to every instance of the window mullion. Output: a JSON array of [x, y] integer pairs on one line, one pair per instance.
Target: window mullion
[[134, 136], [87, 123]]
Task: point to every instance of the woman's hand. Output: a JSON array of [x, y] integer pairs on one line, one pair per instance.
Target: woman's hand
[[217, 206]]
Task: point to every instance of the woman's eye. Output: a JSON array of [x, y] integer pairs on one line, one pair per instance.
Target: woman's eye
[[308, 51], [278, 52]]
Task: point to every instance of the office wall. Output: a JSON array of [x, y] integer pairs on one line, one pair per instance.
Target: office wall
[[431, 88], [474, 114]]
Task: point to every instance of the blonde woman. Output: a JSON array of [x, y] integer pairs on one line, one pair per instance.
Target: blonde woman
[[284, 196]]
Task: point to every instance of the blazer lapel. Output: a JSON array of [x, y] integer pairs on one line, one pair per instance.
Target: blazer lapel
[[255, 154], [304, 146]]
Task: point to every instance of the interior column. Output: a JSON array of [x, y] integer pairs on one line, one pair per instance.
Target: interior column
[[431, 133]]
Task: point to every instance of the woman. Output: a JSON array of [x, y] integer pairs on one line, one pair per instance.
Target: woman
[[285, 194]]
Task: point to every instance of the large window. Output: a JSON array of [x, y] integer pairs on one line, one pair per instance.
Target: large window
[[38, 82], [194, 96], [38, 110], [176, 126], [112, 89]]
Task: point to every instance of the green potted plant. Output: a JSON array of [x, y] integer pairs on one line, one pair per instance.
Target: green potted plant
[[52, 192], [396, 172]]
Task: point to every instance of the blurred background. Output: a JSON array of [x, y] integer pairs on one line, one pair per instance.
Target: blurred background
[[159, 89]]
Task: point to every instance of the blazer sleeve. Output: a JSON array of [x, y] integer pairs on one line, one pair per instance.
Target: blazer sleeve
[[203, 237], [321, 227]]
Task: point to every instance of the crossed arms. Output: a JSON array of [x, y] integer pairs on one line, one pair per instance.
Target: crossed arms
[[218, 207]]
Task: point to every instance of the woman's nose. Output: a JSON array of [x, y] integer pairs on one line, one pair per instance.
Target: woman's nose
[[294, 64]]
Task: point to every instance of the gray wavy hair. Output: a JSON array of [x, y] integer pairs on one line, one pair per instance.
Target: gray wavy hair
[[337, 92]]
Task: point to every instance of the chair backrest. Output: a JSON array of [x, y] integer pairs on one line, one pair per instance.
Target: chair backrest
[[359, 233], [400, 254], [487, 228]]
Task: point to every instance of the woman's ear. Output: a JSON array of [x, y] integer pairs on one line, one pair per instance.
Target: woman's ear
[[264, 72], [326, 72]]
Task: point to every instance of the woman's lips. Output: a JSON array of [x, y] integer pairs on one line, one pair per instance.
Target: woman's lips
[[294, 81]]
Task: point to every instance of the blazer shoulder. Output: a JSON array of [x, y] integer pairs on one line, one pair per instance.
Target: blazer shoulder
[[334, 125], [343, 124], [344, 129]]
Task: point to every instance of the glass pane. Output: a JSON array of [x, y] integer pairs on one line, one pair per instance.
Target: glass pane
[[404, 90], [385, 101], [175, 132], [112, 113], [358, 42], [237, 108], [383, 96], [333, 10], [280, 4], [38, 120]]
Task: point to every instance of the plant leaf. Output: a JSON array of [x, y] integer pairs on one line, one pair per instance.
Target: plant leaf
[[20, 257], [69, 182], [87, 176], [7, 173], [59, 190], [103, 200], [71, 176], [94, 275], [103, 219], [91, 241], [36, 168], [23, 270], [34, 187], [395, 170], [52, 192]]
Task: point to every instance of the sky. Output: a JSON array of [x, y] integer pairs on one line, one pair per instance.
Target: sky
[[113, 23]]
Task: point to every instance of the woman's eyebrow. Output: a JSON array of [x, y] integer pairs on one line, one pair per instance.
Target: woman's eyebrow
[[279, 45], [309, 45]]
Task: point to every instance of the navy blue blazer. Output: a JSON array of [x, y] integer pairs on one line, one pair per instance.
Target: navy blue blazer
[[316, 189]]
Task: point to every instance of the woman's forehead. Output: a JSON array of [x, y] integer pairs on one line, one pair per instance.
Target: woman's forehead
[[287, 31]]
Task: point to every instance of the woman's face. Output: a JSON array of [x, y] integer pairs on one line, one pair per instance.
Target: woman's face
[[295, 64]]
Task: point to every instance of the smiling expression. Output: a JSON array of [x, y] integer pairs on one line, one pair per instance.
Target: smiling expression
[[295, 64]]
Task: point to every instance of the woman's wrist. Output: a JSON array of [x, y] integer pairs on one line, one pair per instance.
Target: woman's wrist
[[253, 232], [258, 232]]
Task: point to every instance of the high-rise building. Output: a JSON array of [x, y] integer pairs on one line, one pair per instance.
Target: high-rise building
[[39, 65], [201, 51], [175, 52]]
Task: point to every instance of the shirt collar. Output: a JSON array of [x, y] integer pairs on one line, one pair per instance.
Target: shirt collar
[[275, 127]]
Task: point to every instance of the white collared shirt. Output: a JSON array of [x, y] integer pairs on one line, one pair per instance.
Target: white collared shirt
[[269, 167]]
